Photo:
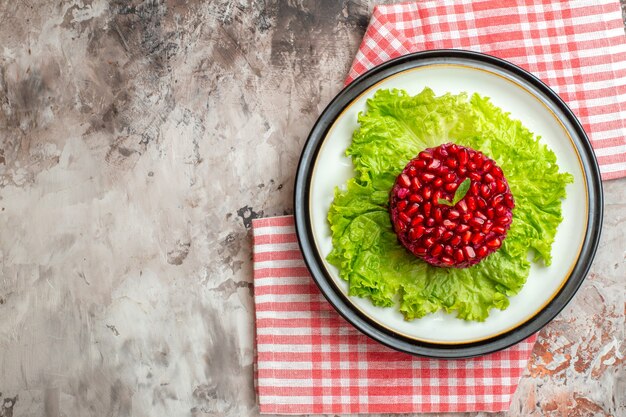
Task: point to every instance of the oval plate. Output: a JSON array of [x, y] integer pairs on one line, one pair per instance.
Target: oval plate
[[324, 166]]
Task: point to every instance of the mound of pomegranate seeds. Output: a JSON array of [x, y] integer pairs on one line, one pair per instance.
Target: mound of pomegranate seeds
[[450, 233]]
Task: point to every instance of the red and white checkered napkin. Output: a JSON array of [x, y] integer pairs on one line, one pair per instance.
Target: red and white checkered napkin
[[311, 361], [576, 47]]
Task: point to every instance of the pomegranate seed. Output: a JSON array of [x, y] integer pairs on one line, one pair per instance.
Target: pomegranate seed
[[426, 156], [496, 171], [448, 250], [448, 224], [504, 220], [474, 176], [416, 233], [436, 250], [466, 217], [481, 215], [474, 188], [430, 222], [436, 196], [426, 208], [508, 201], [469, 252], [471, 203], [447, 260], [487, 227], [487, 166], [500, 186], [428, 242], [438, 232], [434, 164], [500, 211], [419, 219], [451, 187], [420, 251], [453, 214], [455, 240], [427, 177], [462, 155], [415, 198], [438, 182], [420, 164], [462, 228], [437, 215], [441, 152], [490, 213], [412, 171], [452, 163], [494, 243], [412, 209], [498, 229], [402, 192], [402, 205], [449, 177], [497, 200], [458, 255], [415, 184], [489, 178], [447, 235], [404, 217], [481, 203], [453, 149], [462, 205], [426, 193], [476, 222], [482, 251], [477, 238], [400, 226], [471, 166], [485, 191], [404, 180], [466, 236]]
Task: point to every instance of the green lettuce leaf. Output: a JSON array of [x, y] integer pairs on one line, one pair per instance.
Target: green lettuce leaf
[[393, 130]]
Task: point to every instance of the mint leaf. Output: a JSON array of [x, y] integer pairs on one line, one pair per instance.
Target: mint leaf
[[458, 195], [461, 191]]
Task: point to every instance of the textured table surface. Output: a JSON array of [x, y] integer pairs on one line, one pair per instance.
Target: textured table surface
[[137, 142]]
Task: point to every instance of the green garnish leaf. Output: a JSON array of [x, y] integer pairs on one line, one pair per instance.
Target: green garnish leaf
[[459, 194], [461, 191]]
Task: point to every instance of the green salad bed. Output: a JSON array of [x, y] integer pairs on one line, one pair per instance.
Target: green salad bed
[[393, 130]]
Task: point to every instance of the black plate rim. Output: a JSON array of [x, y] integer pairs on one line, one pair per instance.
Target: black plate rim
[[341, 302]]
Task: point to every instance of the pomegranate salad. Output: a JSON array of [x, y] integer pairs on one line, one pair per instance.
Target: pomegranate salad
[[449, 199], [451, 206]]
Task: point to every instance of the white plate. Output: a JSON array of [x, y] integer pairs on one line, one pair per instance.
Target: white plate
[[329, 168]]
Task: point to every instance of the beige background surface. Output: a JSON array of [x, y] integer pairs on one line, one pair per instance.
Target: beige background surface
[[137, 142]]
